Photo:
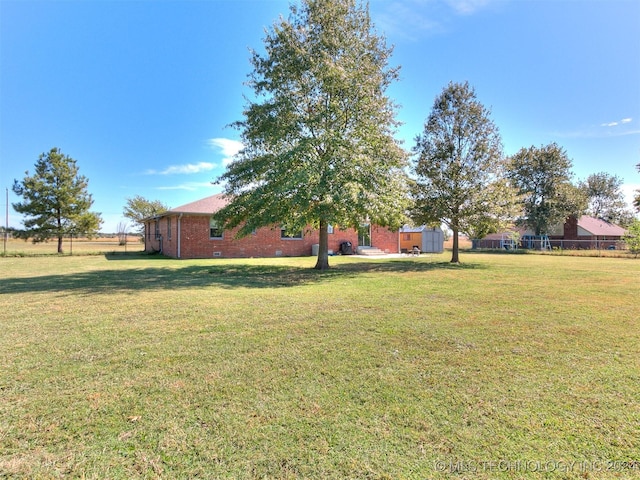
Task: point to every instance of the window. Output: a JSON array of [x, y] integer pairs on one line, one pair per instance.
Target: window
[[157, 229], [169, 228], [290, 236], [214, 229], [329, 229]]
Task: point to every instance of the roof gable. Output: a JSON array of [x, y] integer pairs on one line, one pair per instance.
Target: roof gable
[[599, 227]]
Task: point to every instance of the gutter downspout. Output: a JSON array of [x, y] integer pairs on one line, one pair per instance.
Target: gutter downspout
[[179, 234]]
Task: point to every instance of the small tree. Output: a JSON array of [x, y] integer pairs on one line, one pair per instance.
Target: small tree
[[319, 138], [460, 168], [632, 237], [122, 233], [542, 177], [138, 208], [56, 200]]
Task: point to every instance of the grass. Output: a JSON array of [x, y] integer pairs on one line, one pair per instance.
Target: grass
[[507, 366]]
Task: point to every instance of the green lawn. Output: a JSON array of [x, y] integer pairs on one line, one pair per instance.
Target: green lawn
[[508, 366]]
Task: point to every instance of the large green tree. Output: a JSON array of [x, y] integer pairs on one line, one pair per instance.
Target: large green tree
[[606, 199], [542, 177], [138, 208], [460, 168], [318, 138], [56, 200]]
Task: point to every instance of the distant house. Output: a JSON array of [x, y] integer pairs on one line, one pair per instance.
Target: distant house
[[584, 232], [189, 231], [587, 232], [425, 239]]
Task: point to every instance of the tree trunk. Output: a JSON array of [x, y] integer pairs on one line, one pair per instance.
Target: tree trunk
[[454, 254], [59, 221], [323, 250]]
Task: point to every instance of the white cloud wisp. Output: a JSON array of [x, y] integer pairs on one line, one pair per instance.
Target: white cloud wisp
[[187, 169], [228, 147]]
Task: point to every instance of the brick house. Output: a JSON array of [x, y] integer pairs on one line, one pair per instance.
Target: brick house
[[587, 232], [189, 231], [582, 232]]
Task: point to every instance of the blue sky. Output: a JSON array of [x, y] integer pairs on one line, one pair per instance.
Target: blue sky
[[140, 92]]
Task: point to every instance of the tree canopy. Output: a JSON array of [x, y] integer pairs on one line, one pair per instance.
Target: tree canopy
[[542, 177], [138, 208], [56, 200], [319, 145], [605, 198], [460, 168]]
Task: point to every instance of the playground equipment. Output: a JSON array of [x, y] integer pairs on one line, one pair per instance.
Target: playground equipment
[[508, 242], [536, 242]]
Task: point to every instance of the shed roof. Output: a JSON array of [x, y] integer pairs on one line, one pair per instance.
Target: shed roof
[[422, 228]]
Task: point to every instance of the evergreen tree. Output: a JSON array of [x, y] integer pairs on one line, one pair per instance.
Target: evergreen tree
[[56, 200]]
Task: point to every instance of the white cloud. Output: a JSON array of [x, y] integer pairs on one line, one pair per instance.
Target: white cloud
[[467, 7], [189, 186], [595, 132], [415, 19], [188, 168], [615, 124], [629, 191], [229, 148], [405, 19]]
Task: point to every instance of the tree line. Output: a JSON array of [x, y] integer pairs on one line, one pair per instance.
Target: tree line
[[320, 149]]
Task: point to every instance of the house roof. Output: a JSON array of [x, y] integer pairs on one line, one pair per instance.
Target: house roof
[[204, 206], [599, 227], [593, 226]]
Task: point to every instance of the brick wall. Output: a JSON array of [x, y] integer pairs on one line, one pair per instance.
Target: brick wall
[[571, 228], [385, 239], [265, 242]]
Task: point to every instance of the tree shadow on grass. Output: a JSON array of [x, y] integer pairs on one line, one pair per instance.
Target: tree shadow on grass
[[167, 276]]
